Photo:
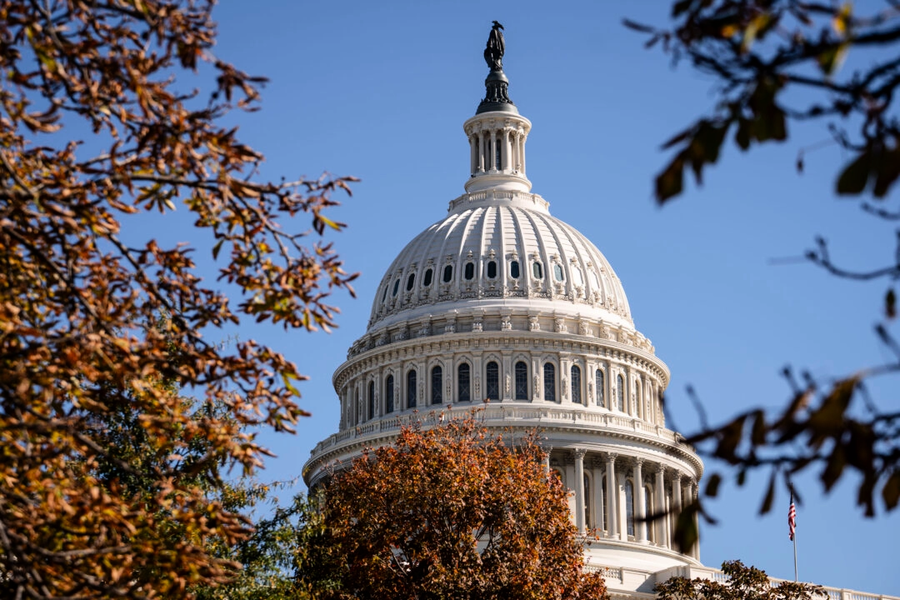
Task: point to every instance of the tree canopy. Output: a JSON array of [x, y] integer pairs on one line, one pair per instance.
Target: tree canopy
[[777, 63], [447, 511], [742, 583], [95, 128]]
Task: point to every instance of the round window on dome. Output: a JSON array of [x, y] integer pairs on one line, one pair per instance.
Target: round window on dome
[[558, 272], [492, 269], [470, 271], [396, 287], [537, 270], [427, 280], [410, 281], [514, 269], [448, 274]]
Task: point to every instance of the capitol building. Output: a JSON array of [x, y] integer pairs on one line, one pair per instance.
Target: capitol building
[[500, 305]]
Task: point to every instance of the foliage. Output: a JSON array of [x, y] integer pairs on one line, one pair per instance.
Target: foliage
[[778, 62], [269, 555], [743, 583], [76, 291], [449, 511]]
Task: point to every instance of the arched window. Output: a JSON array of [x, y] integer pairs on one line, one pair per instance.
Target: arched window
[[537, 270], [492, 269], [576, 384], [469, 273], [492, 380], [577, 276], [558, 272], [521, 381], [599, 383], [427, 280], [389, 394], [411, 389], [371, 399], [448, 273], [410, 281], [437, 384], [549, 382], [463, 382], [629, 507], [514, 269], [620, 392], [396, 287]]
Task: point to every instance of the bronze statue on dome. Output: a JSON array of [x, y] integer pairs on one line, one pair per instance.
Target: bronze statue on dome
[[493, 54]]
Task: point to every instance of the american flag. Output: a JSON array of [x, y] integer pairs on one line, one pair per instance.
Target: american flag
[[792, 518]]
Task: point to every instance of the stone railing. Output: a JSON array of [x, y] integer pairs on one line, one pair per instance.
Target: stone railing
[[498, 415], [707, 573]]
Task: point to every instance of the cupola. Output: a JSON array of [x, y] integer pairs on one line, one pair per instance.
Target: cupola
[[497, 132]]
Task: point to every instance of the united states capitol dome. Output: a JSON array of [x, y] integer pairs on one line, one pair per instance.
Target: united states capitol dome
[[501, 307], [501, 249]]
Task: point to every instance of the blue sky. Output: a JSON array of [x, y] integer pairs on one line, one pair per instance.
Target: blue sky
[[380, 91]]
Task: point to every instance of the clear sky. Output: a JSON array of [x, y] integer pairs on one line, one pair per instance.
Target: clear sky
[[380, 91]]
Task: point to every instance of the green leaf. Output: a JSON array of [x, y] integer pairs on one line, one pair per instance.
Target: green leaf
[[891, 491], [730, 437], [216, 248], [758, 434], [680, 7], [855, 176], [670, 182], [834, 468], [742, 136], [886, 173], [770, 495], [832, 58]]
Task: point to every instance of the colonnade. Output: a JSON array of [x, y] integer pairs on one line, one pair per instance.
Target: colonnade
[[497, 150], [612, 494]]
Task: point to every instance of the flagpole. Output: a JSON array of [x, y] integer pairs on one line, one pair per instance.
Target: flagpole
[[796, 578], [792, 526]]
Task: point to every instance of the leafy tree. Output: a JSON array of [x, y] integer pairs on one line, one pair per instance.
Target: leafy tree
[[268, 557], [449, 511], [778, 62], [79, 515], [743, 583]]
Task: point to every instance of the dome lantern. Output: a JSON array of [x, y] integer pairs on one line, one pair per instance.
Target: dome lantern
[[497, 132]]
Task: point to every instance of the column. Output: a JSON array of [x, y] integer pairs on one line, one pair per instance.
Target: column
[[640, 528], [695, 551], [611, 492], [676, 505], [546, 461], [579, 488], [507, 152], [482, 166], [492, 160], [597, 478], [473, 154], [662, 534], [522, 154]]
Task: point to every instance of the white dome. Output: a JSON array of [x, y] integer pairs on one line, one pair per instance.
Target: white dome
[[503, 307], [500, 249]]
